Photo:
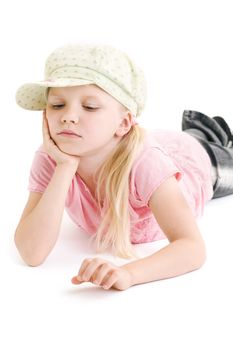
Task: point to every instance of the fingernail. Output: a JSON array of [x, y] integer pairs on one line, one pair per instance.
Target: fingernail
[[75, 280]]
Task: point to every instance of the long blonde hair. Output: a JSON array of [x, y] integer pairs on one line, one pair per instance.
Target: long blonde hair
[[113, 178]]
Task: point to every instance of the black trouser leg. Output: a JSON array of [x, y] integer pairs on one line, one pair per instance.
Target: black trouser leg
[[215, 140]]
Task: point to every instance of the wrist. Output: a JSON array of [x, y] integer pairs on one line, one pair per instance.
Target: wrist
[[67, 167], [130, 269]]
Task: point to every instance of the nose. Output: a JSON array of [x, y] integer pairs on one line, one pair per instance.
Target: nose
[[67, 120], [70, 118]]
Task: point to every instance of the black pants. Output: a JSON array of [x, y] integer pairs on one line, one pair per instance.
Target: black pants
[[215, 136]]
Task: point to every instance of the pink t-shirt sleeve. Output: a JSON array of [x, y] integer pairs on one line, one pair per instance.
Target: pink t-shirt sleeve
[[148, 173], [41, 171]]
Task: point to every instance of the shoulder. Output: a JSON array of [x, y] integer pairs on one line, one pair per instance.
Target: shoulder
[[172, 212], [152, 166], [42, 163], [42, 169], [42, 157], [154, 154]]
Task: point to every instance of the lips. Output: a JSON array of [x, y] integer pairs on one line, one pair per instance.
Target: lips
[[68, 132]]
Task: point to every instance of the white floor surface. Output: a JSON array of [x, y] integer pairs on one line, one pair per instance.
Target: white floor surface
[[185, 49], [41, 309]]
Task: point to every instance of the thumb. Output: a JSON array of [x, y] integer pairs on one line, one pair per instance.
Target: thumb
[[76, 280]]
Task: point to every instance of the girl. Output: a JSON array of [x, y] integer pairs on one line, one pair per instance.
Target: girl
[[118, 181]]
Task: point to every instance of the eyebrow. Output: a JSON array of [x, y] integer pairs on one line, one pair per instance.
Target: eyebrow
[[85, 96]]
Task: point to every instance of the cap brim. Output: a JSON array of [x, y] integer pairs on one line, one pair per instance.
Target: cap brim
[[32, 96]]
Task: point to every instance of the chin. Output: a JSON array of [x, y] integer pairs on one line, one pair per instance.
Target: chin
[[68, 149]]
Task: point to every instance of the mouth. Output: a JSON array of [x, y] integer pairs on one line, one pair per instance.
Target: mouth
[[68, 134]]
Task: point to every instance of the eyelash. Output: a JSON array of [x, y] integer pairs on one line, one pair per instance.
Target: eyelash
[[62, 105]]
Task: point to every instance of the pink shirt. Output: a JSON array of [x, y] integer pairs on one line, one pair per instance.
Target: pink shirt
[[164, 154]]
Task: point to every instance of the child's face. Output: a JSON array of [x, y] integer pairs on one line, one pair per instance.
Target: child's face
[[98, 119]]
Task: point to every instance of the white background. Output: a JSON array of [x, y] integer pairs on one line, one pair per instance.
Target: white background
[[185, 50]]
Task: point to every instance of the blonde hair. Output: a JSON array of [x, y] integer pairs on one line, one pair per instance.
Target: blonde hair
[[113, 179]]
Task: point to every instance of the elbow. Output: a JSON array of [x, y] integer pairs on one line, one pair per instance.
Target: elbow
[[33, 261], [199, 254], [30, 257], [199, 262]]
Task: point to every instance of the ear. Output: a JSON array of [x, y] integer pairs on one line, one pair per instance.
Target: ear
[[125, 124]]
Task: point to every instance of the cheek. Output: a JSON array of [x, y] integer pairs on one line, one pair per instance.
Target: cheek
[[100, 134], [52, 125], [103, 126]]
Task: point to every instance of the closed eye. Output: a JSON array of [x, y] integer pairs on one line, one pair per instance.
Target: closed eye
[[90, 108], [61, 105], [58, 106]]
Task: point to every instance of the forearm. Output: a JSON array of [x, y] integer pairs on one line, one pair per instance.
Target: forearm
[[37, 234], [177, 258]]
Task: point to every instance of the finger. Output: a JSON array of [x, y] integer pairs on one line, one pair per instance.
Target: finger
[[102, 273], [45, 124], [47, 139], [91, 269], [110, 280], [45, 128], [44, 116], [83, 267], [76, 280]]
